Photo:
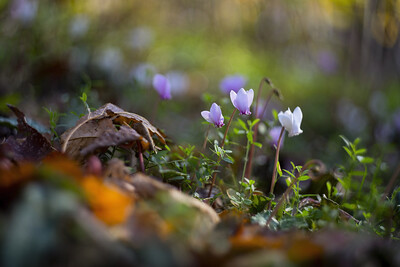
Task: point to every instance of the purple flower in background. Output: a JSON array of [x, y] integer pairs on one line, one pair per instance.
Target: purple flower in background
[[233, 82], [396, 119], [274, 135], [162, 85], [242, 100], [327, 62], [214, 116], [24, 10]]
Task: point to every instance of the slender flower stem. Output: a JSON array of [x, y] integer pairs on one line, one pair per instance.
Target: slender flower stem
[[279, 204], [141, 161], [363, 180], [255, 133], [206, 138], [222, 146], [287, 191], [227, 128], [246, 159], [276, 161]]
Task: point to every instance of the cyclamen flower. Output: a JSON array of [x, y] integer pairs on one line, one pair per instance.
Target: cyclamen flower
[[162, 85], [234, 82], [214, 116], [291, 121], [242, 100]]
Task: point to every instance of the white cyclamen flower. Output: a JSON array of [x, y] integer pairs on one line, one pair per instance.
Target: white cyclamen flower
[[291, 121]]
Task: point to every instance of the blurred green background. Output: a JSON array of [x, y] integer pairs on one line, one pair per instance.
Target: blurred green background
[[339, 60]]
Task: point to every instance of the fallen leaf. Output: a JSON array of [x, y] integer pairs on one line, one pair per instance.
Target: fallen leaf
[[125, 134], [97, 123], [29, 144], [85, 135], [108, 203]]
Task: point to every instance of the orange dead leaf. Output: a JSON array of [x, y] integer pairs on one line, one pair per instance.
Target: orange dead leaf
[[62, 164], [17, 174], [303, 249], [107, 203], [249, 238]]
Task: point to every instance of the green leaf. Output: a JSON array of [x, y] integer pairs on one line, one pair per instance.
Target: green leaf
[[242, 124], [303, 178], [228, 159], [83, 97], [278, 168], [348, 151], [252, 123], [360, 151], [250, 137], [257, 144], [275, 114], [177, 178], [345, 140], [355, 143], [258, 203], [365, 160]]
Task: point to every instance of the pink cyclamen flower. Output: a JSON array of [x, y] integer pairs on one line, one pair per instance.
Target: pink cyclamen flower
[[233, 82], [214, 116], [162, 85], [242, 100]]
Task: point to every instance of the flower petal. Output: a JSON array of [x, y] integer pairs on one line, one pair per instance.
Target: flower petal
[[241, 102], [250, 96], [162, 85], [297, 115], [285, 120], [233, 98], [215, 113], [206, 115]]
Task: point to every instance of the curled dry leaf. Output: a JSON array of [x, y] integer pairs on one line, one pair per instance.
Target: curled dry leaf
[[85, 135], [29, 144], [81, 140], [124, 135]]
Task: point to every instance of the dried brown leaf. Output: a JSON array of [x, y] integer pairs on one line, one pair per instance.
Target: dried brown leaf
[[125, 134], [29, 144], [111, 114], [78, 138]]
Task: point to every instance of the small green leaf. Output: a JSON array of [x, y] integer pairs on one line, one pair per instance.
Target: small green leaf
[[257, 144], [275, 114], [242, 124], [345, 140], [360, 151], [278, 168], [365, 160], [348, 151], [303, 178]]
